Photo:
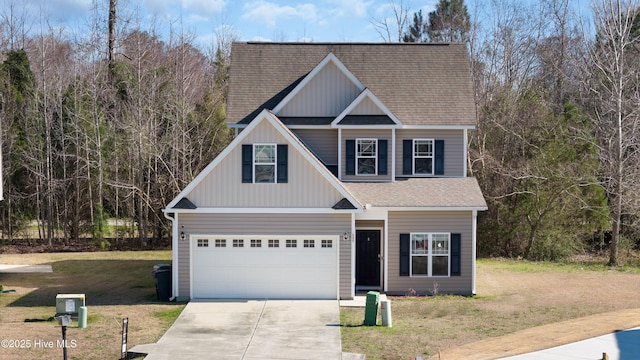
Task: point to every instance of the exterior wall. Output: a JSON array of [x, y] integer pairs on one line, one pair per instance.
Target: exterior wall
[[327, 94], [366, 134], [223, 186], [366, 107], [264, 224], [323, 142], [454, 148], [435, 221]]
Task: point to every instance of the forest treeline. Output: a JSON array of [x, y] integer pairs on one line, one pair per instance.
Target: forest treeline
[[113, 124]]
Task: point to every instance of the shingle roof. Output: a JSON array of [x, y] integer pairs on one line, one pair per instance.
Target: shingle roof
[[420, 192], [421, 84]]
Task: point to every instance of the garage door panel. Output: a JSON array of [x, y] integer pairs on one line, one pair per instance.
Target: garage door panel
[[264, 272]]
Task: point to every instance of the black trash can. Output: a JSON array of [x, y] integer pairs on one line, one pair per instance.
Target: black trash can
[[162, 275]]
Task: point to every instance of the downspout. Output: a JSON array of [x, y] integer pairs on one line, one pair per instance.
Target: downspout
[[474, 226], [174, 254]]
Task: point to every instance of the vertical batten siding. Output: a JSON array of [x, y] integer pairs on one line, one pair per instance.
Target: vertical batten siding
[[183, 266], [348, 134], [426, 221], [323, 142], [266, 224], [454, 148], [327, 94], [366, 107], [223, 186]]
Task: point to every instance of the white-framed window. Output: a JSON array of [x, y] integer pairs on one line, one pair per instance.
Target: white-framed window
[[203, 242], [430, 254], [274, 243], [221, 242], [264, 163], [327, 243], [238, 243], [309, 243], [256, 243], [423, 159], [291, 243], [366, 156]]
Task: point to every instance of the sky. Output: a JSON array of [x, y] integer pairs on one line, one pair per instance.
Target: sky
[[248, 20]]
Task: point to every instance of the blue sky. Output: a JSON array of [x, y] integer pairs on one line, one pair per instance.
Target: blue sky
[[249, 20]]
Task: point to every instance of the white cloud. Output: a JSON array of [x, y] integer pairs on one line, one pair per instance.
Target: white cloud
[[269, 13], [204, 8], [356, 8]]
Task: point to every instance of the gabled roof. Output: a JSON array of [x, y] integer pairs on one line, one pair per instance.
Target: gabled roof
[[268, 116], [420, 84], [345, 118], [438, 193]]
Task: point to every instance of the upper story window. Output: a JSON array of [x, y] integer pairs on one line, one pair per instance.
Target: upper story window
[[423, 156], [366, 156], [264, 163]]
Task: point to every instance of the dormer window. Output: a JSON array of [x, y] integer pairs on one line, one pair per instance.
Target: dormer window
[[366, 156]]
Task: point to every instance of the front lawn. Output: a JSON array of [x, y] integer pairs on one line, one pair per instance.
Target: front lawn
[[116, 285], [511, 296]]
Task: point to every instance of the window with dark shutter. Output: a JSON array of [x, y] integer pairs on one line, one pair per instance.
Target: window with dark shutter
[[282, 163], [407, 157], [350, 157], [405, 255], [247, 163], [456, 244], [382, 157]]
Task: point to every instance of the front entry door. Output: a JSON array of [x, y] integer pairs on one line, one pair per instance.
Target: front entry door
[[368, 258]]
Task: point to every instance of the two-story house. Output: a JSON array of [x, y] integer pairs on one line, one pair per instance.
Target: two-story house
[[348, 172]]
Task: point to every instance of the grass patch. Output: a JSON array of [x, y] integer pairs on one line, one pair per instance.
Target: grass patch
[[512, 296], [116, 285]]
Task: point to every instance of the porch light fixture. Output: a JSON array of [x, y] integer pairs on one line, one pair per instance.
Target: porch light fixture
[[345, 236], [182, 236]]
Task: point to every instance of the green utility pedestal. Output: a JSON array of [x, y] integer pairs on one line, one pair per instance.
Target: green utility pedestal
[[371, 309]]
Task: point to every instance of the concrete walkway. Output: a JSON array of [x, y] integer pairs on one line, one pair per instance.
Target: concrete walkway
[[251, 329], [15, 269]]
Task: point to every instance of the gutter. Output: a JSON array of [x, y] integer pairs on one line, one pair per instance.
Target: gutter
[[174, 249]]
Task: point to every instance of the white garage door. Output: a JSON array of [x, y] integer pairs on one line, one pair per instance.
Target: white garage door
[[276, 267]]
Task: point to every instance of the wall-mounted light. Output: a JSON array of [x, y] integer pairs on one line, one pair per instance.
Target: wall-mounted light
[[345, 236], [182, 236]]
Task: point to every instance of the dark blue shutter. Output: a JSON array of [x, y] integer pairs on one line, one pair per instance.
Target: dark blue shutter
[[439, 169], [455, 254], [407, 157], [382, 157], [282, 163], [405, 255], [350, 166], [247, 163]]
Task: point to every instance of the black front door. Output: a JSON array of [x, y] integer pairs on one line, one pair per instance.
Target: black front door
[[368, 258]]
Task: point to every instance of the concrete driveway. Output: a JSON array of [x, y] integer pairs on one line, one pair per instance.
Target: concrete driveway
[[251, 329]]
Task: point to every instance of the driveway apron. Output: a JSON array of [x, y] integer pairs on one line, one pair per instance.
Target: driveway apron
[[251, 329]]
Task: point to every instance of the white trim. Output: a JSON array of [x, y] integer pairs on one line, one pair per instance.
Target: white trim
[[367, 127], [386, 252], [401, 127], [474, 228], [265, 115], [329, 58], [174, 254], [191, 266], [371, 96], [261, 210], [340, 154], [353, 255]]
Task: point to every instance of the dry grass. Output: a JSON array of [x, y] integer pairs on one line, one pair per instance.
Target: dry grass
[[512, 296], [116, 284]]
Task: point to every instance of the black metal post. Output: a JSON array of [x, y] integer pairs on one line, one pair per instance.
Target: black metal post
[[64, 342]]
